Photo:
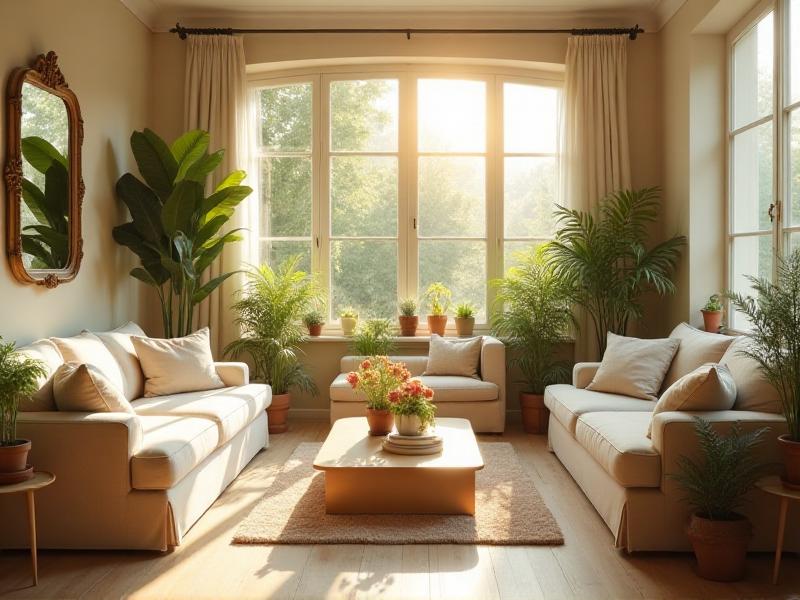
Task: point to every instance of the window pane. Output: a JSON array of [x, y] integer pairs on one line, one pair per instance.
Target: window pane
[[364, 115], [364, 275], [530, 192], [530, 114], [285, 197], [752, 256], [794, 167], [752, 74], [511, 248], [794, 50], [752, 179], [451, 115], [275, 253], [794, 241], [364, 195], [460, 265], [452, 196], [286, 118]]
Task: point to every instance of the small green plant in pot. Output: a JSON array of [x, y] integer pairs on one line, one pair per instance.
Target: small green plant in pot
[[413, 408], [314, 320], [19, 378], [715, 488], [349, 320], [465, 319], [712, 314], [373, 338], [438, 298], [409, 320]]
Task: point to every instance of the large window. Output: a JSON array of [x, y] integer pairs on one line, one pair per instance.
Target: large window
[[764, 144], [390, 180]]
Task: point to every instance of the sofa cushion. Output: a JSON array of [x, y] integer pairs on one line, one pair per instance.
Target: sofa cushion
[[753, 391], [87, 348], [619, 444], [415, 364], [446, 388], [84, 388], [697, 348], [231, 409], [171, 448], [118, 341], [454, 357], [50, 356], [567, 403]]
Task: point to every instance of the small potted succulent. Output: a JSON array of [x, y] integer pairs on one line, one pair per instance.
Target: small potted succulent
[[314, 320], [465, 319], [438, 298], [19, 378], [376, 377], [412, 407], [712, 314], [349, 319], [409, 320]]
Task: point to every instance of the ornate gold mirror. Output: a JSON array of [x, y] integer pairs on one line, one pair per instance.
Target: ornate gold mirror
[[44, 188]]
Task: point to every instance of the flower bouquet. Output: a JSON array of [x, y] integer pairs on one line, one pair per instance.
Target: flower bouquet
[[411, 404], [376, 377]]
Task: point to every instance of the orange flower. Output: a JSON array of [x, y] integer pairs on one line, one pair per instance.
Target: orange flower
[[366, 364], [428, 392], [352, 379]]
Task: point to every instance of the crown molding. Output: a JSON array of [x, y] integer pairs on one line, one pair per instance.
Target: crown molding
[[664, 10], [145, 10]]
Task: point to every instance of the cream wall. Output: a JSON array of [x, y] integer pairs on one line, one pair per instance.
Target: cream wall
[[104, 53]]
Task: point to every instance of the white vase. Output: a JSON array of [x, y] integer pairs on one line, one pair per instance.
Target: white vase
[[408, 425]]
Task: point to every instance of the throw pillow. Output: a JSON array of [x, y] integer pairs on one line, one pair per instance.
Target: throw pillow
[[119, 344], [634, 367], [454, 357], [697, 349], [84, 388], [46, 352], [177, 365], [753, 391], [87, 348], [710, 387]]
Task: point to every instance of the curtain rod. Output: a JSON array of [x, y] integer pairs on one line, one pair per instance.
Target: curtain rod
[[184, 32]]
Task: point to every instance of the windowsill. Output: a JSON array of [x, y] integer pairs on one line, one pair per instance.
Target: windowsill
[[422, 339]]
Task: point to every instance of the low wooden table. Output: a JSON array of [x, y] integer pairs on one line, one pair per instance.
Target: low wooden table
[[361, 478], [773, 485]]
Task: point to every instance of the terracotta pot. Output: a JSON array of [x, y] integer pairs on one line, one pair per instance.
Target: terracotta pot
[[278, 413], [315, 330], [720, 547], [464, 327], [380, 421], [535, 415], [791, 461], [408, 425], [712, 320], [437, 324], [349, 325], [408, 325], [14, 458]]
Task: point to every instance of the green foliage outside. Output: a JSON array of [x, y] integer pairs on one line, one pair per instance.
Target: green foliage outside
[[19, 377]]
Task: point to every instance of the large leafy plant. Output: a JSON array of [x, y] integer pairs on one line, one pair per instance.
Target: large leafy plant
[[533, 316], [19, 377], [609, 261], [270, 311], [774, 315], [176, 230]]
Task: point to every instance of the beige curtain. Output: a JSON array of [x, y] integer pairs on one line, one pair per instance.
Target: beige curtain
[[216, 102], [594, 135]]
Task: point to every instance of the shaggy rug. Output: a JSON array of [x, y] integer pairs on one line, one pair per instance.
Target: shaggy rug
[[509, 510]]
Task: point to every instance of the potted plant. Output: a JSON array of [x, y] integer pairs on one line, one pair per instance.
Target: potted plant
[[438, 297], [373, 338], [269, 312], [412, 407], [715, 488], [409, 320], [712, 314], [774, 315], [532, 316], [376, 377], [19, 378], [465, 319], [349, 320], [314, 320]]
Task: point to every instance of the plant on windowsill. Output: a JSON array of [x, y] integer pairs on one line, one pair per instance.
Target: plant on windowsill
[[373, 338], [412, 406], [712, 314], [376, 377], [409, 320], [314, 320], [349, 320], [774, 316], [715, 488], [465, 319], [438, 298], [532, 315], [269, 311]]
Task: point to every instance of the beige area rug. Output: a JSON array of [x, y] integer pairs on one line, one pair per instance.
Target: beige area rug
[[509, 511]]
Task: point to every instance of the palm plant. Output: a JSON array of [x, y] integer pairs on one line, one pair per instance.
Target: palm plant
[[607, 259], [373, 338], [270, 311], [532, 315], [19, 377]]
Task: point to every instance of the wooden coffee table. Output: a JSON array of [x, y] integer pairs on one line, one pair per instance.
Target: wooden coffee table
[[361, 478]]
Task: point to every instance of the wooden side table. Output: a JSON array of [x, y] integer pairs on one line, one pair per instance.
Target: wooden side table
[[39, 480], [773, 485]]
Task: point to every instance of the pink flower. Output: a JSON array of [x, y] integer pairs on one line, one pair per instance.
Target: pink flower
[[366, 364], [394, 396], [428, 392], [352, 379]]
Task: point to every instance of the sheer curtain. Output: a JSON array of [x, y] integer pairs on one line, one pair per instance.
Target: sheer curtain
[[216, 102]]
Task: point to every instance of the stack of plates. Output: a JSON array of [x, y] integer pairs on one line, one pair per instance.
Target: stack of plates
[[413, 444]]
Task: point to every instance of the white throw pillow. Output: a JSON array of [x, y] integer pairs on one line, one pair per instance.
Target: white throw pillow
[[753, 391], [177, 365], [634, 367], [119, 344], [84, 388], [87, 348], [48, 354], [454, 357], [697, 349], [710, 387]]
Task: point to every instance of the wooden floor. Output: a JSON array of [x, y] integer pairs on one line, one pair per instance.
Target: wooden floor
[[206, 565]]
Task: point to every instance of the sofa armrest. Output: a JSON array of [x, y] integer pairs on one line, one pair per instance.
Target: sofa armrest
[[233, 374], [493, 364], [121, 431], [583, 373]]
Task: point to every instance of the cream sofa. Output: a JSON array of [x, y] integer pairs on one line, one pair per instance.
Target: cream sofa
[[482, 401], [602, 440], [134, 481]]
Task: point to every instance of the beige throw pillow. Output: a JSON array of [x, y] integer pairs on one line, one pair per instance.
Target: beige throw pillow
[[753, 391], [454, 357], [48, 354], [119, 344], [87, 348], [84, 388], [697, 349], [177, 365], [710, 387], [634, 367]]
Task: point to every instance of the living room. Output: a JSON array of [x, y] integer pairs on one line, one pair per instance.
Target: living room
[[380, 299]]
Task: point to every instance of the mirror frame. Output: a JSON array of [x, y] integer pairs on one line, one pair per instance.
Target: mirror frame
[[44, 74]]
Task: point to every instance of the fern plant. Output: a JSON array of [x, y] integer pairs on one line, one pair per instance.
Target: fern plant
[[608, 260], [374, 338], [715, 487], [19, 377]]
